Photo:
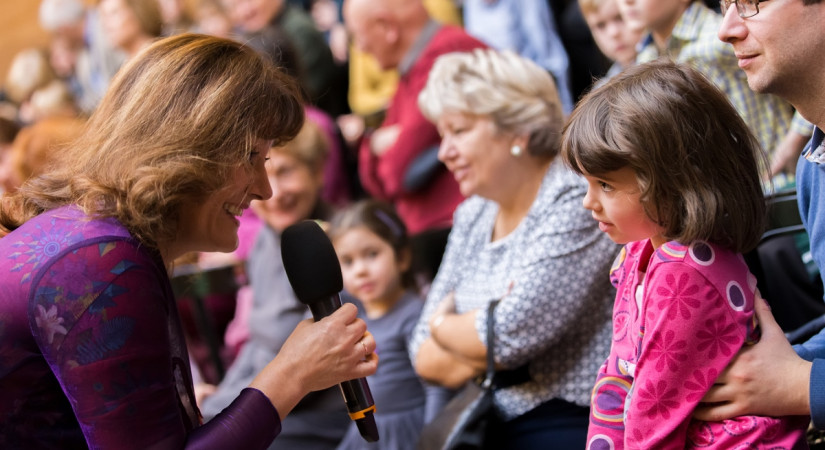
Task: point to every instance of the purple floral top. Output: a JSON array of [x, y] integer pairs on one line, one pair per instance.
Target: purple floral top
[[91, 349]]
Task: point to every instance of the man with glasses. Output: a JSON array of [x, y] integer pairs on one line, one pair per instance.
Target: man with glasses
[[780, 45], [685, 31]]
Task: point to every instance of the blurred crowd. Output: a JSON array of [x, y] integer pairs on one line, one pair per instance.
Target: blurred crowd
[[361, 65]]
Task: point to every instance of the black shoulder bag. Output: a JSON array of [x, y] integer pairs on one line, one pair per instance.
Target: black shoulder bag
[[463, 423]]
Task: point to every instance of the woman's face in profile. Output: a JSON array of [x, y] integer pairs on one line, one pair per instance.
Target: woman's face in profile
[[211, 224], [474, 152], [295, 191]]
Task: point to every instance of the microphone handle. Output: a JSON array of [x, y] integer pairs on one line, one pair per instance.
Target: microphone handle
[[356, 393], [325, 307]]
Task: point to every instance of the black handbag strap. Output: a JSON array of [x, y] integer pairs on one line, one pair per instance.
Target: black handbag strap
[[491, 336], [503, 378]]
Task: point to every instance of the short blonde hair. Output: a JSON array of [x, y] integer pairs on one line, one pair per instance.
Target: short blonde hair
[[591, 6], [310, 147], [519, 96], [29, 71]]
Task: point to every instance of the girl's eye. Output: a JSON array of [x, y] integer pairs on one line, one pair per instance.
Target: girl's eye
[[605, 187]]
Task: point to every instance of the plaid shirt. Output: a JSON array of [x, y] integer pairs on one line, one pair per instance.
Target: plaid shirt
[[694, 41]]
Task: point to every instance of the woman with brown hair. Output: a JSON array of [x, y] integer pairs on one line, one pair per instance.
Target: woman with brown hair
[[92, 348]]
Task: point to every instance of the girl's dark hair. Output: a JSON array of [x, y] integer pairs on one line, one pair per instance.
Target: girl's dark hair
[[696, 161], [380, 218]]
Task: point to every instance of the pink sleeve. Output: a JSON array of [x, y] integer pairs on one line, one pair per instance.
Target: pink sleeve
[[237, 331], [690, 334]]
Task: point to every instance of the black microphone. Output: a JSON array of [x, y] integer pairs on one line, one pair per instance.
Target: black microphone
[[313, 270]]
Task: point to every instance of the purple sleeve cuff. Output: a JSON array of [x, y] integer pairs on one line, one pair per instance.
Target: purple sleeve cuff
[[249, 422]]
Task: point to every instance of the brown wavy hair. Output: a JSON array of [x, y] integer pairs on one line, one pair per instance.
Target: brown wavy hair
[[694, 157], [173, 125]]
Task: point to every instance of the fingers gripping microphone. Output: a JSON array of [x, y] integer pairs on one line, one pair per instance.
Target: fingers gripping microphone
[[315, 275]]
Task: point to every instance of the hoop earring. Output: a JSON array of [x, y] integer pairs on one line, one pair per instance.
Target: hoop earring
[[515, 150]]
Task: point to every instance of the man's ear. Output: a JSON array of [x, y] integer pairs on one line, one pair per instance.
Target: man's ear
[[390, 28]]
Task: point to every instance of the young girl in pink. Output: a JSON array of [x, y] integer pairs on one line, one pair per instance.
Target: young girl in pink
[[672, 172]]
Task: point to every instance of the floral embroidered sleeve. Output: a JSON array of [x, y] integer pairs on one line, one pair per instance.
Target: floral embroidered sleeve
[[690, 333], [107, 328], [104, 332]]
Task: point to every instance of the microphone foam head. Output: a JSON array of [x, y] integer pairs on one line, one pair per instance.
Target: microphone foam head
[[310, 262]]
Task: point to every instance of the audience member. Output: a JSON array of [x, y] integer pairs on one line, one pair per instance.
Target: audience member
[[90, 332], [336, 185], [685, 31], [327, 17], [400, 34], [522, 237], [29, 71], [685, 294], [374, 250], [295, 172], [253, 17], [34, 147], [80, 51], [371, 88], [211, 18], [586, 61], [131, 25], [615, 39], [526, 27], [778, 45], [53, 99], [175, 17]]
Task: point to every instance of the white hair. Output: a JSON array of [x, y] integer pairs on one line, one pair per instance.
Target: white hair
[[517, 94], [59, 13]]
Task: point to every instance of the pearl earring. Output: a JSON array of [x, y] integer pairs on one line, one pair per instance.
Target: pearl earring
[[515, 150]]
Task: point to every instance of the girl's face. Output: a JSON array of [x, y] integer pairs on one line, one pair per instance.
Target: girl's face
[[474, 152], [614, 200], [371, 269], [295, 191]]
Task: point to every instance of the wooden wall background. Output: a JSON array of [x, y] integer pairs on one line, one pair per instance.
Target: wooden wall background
[[19, 29]]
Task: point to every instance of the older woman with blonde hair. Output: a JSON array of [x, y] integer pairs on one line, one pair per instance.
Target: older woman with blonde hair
[[93, 351], [521, 237]]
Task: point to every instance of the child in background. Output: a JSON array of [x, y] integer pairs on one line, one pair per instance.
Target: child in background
[[672, 172], [615, 39], [374, 250]]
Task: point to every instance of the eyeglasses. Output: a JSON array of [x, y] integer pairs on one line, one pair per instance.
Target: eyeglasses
[[745, 8]]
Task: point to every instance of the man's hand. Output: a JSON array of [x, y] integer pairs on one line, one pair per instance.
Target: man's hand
[[767, 379]]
